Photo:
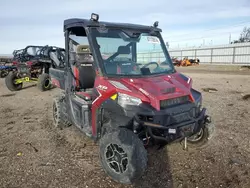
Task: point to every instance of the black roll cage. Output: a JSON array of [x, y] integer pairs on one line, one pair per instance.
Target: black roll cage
[[42, 54], [83, 27]]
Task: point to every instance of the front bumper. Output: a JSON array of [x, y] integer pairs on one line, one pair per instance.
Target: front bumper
[[169, 131]]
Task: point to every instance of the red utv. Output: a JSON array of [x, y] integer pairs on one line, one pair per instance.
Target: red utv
[[123, 100]]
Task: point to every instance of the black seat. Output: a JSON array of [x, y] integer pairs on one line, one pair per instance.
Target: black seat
[[86, 80], [119, 66], [127, 67], [111, 67], [86, 77], [83, 54]]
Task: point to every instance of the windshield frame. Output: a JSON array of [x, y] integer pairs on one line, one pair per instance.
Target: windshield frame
[[100, 63]]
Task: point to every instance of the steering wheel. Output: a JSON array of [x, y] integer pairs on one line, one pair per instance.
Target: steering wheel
[[151, 63]]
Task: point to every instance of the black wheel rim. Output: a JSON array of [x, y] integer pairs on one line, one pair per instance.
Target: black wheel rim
[[54, 112], [197, 137], [116, 158], [47, 83]]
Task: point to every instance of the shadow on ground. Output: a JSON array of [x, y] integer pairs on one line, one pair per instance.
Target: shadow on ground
[[8, 95], [35, 85], [29, 86], [158, 173]]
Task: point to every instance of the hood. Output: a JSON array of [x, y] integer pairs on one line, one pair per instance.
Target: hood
[[159, 88]]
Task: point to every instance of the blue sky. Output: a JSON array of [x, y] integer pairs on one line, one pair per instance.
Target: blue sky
[[184, 23]]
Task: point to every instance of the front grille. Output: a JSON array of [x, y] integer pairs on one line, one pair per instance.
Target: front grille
[[171, 102]]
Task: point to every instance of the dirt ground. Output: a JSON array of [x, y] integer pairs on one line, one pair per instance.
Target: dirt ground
[[35, 154]]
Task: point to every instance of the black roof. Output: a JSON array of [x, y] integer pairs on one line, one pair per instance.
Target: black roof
[[76, 22]]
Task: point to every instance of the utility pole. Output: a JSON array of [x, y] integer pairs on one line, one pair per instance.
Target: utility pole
[[230, 38]]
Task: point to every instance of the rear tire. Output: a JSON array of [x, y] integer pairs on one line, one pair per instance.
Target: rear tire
[[43, 82], [10, 82], [60, 119], [123, 156]]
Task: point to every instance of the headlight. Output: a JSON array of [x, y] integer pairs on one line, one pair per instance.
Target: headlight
[[124, 99]]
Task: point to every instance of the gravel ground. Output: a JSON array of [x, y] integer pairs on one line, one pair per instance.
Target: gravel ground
[[35, 154]]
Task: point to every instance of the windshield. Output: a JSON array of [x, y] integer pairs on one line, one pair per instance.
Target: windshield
[[128, 53]]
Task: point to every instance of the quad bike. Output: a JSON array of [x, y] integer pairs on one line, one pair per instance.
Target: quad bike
[[5, 69], [5, 66], [195, 61], [176, 62], [32, 65], [189, 62], [5, 60], [125, 104], [185, 62]]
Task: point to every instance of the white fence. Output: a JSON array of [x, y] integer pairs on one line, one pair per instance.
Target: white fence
[[238, 54]]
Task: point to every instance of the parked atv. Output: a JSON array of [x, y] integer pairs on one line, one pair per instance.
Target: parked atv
[[5, 69], [122, 101], [195, 61], [32, 65], [176, 61], [189, 62]]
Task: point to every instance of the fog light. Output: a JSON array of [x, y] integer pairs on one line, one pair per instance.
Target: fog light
[[94, 17]]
